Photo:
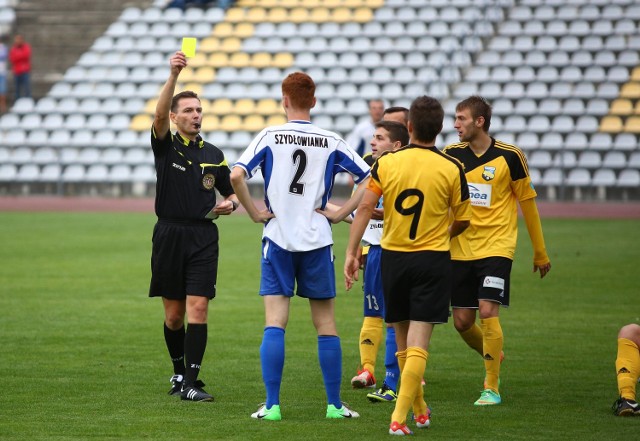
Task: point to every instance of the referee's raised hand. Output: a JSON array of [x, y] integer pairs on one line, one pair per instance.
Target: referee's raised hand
[[178, 62]]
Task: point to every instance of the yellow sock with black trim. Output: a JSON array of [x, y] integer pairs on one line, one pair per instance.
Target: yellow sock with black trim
[[627, 368], [370, 338], [473, 337], [410, 383], [493, 341]]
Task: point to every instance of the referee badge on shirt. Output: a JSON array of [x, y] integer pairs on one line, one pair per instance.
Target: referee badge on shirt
[[208, 181], [489, 173]]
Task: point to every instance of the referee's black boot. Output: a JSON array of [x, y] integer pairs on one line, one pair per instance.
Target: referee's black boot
[[195, 392], [176, 385]]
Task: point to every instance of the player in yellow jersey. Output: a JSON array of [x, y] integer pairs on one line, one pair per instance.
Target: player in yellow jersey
[[498, 178], [628, 370], [389, 135], [420, 185]]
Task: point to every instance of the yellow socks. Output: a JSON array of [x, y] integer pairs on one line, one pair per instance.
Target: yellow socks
[[492, 346], [627, 368], [402, 359], [410, 384], [370, 338], [473, 337]]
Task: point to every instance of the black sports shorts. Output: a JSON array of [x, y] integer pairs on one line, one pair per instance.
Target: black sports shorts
[[184, 259], [416, 285], [482, 279]]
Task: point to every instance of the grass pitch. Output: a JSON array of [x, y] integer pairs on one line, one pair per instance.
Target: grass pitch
[[83, 357]]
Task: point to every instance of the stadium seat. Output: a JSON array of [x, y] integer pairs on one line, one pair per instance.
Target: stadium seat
[[600, 141], [576, 141], [625, 142], [611, 124], [552, 177], [579, 177], [614, 159], [540, 159], [629, 178], [604, 178], [589, 160], [565, 160], [632, 124], [42, 155]]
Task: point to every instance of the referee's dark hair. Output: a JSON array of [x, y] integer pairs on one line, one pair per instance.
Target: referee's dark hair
[[479, 107], [397, 131], [426, 116], [178, 96]]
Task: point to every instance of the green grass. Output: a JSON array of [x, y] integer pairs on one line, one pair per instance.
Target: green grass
[[82, 354]]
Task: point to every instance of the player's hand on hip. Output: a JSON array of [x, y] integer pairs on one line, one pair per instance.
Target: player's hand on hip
[[377, 214], [262, 217], [332, 215], [544, 269]]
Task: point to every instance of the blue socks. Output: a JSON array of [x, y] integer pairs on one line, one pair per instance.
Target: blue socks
[[330, 357], [390, 361], [272, 361]]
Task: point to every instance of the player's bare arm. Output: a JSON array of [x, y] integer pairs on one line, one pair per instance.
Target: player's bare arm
[[339, 215], [239, 184], [458, 227]]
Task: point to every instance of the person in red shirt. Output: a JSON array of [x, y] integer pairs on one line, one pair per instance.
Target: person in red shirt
[[20, 58]]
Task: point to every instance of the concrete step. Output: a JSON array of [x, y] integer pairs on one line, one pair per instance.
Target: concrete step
[[61, 31]]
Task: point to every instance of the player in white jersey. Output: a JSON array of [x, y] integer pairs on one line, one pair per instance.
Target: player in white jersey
[[298, 162]]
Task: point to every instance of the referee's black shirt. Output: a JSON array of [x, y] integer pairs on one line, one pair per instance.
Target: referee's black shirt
[[187, 173]]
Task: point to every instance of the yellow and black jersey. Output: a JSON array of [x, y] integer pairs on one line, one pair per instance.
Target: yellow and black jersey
[[497, 179], [368, 158], [420, 186]]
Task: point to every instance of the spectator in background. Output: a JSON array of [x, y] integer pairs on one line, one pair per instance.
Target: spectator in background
[[3, 76], [20, 58], [397, 114], [183, 4], [361, 135]]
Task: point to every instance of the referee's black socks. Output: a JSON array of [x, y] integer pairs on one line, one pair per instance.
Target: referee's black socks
[[195, 343], [175, 345]]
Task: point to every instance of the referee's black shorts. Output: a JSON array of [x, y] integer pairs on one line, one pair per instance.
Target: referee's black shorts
[[416, 285], [184, 259]]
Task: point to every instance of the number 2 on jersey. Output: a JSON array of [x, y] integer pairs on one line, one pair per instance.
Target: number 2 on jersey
[[300, 158], [412, 210]]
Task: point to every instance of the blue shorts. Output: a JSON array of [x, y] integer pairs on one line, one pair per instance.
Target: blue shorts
[[373, 295], [312, 271], [3, 84]]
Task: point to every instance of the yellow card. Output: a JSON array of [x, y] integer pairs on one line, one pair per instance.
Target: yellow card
[[189, 46]]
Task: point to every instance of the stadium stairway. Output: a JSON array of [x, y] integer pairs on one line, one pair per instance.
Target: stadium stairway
[[62, 30]]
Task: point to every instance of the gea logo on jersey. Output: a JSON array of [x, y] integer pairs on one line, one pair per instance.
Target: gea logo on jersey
[[480, 194]]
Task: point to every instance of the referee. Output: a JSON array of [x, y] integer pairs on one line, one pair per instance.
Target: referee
[[184, 259]]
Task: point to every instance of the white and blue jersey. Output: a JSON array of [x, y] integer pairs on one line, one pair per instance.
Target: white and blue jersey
[[373, 234], [299, 162]]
